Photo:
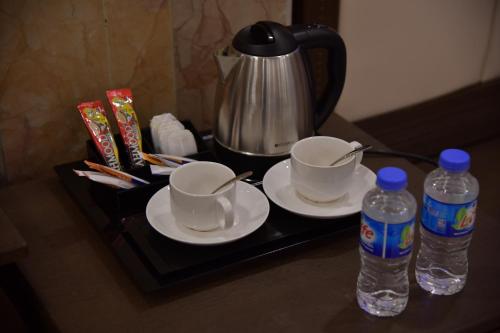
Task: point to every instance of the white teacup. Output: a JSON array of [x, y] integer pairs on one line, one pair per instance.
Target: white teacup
[[191, 201], [313, 177]]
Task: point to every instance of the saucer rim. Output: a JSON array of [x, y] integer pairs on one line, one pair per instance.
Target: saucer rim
[[301, 213], [211, 242]]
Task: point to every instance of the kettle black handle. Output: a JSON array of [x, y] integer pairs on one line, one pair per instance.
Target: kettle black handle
[[310, 36]]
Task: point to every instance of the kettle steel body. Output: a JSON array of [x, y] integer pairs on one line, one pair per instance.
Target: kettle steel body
[[265, 100]]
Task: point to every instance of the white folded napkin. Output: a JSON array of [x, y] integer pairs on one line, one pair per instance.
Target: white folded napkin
[[160, 170], [102, 178]]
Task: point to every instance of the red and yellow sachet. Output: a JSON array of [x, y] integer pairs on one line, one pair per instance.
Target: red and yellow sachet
[[121, 102], [97, 124]]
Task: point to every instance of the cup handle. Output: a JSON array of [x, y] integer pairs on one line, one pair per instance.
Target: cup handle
[[227, 207], [359, 156]]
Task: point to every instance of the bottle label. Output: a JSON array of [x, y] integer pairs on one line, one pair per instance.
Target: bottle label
[[386, 240], [448, 220]]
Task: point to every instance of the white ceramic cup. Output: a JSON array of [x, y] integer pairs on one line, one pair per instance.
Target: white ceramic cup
[[191, 201], [311, 173]]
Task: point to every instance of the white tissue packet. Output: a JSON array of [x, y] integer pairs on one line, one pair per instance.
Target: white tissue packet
[[157, 122], [179, 143], [170, 136]]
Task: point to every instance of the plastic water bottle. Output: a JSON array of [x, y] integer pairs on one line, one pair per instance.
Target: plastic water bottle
[[386, 239], [448, 215]]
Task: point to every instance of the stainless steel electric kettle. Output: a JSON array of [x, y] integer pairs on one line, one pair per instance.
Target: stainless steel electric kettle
[[265, 100]]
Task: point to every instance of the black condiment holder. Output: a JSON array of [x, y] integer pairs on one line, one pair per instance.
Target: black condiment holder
[[124, 202]]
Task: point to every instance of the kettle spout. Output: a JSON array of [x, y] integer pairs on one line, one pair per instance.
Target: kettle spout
[[226, 58]]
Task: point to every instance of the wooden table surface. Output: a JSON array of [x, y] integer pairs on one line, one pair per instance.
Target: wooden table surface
[[84, 289], [12, 245]]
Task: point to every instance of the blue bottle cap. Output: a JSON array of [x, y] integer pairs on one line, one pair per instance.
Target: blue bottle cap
[[391, 179], [454, 160]]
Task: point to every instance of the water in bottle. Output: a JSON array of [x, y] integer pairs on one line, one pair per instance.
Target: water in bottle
[[386, 239], [448, 215]]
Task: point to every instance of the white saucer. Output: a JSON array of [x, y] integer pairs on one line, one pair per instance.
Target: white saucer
[[277, 187], [251, 211]]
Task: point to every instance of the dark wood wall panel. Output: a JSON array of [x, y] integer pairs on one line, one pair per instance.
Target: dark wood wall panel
[[457, 119], [316, 11], [321, 12]]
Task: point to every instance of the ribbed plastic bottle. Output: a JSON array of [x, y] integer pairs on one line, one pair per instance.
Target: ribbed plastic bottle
[[448, 216], [386, 240]]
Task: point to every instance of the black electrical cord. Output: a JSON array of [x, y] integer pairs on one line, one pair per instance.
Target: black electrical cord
[[389, 152], [380, 152]]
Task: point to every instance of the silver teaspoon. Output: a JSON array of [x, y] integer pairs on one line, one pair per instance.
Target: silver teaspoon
[[351, 153], [234, 179]]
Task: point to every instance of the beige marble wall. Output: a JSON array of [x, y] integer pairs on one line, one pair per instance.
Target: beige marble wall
[[55, 54], [202, 26]]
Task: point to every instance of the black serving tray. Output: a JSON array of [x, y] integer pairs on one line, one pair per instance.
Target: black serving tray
[[156, 262]]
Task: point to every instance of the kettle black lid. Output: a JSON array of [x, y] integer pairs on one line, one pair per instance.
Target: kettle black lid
[[265, 39]]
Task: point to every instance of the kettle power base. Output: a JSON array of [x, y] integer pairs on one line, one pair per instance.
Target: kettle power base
[[240, 162], [155, 262]]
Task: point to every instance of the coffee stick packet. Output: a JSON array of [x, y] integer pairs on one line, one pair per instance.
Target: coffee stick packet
[[121, 102], [94, 117]]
